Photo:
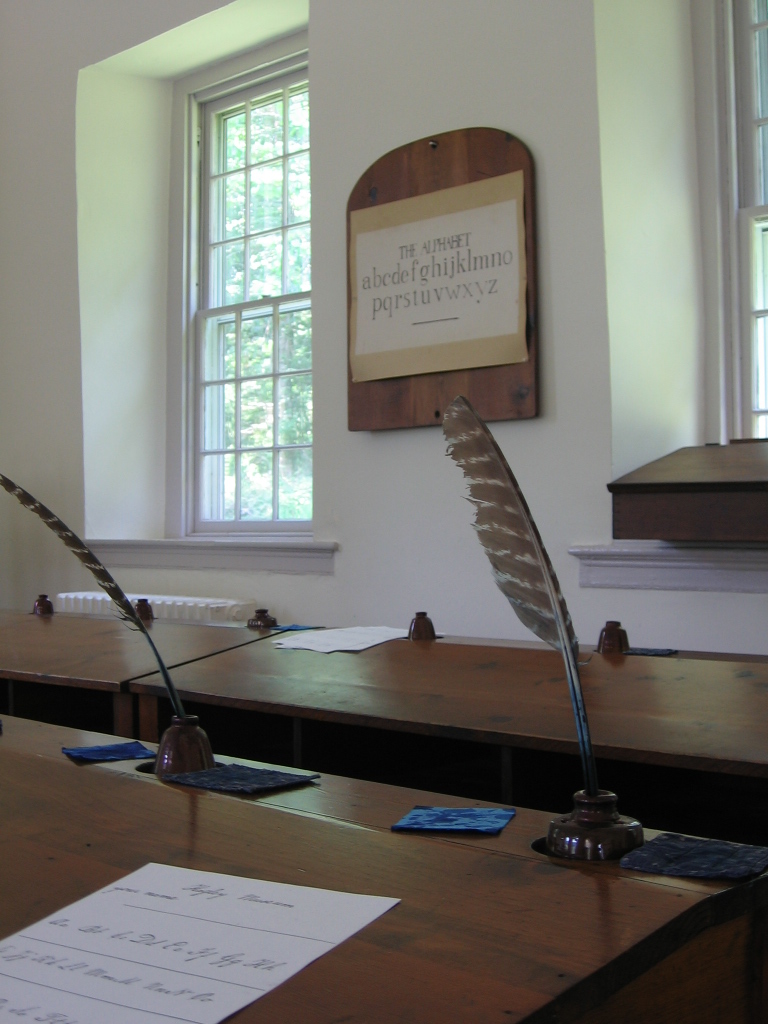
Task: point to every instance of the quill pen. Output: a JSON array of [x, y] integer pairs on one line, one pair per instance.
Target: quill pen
[[98, 571], [520, 564]]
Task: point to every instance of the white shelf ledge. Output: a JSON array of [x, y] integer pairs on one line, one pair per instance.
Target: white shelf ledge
[[657, 565], [269, 554]]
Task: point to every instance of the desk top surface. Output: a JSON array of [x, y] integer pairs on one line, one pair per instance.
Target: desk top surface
[[485, 930], [102, 652], [705, 715]]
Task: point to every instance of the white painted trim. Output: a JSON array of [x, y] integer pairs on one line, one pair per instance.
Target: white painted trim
[[658, 565], [268, 554]]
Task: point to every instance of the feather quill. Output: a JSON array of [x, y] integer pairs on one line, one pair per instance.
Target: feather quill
[[519, 561], [104, 579]]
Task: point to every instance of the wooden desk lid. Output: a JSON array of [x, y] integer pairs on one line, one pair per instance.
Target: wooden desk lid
[[708, 494]]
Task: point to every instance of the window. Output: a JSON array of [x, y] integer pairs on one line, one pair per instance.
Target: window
[[253, 359], [751, 44]]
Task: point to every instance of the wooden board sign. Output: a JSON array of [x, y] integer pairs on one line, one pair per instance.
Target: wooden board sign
[[441, 282]]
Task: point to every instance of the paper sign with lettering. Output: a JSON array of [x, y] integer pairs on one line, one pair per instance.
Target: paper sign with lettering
[[171, 944], [438, 281]]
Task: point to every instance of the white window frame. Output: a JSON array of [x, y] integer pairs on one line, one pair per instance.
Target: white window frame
[[285, 57], [208, 111], [750, 215]]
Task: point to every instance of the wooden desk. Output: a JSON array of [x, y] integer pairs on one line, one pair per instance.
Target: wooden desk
[[688, 715], [97, 654], [486, 931]]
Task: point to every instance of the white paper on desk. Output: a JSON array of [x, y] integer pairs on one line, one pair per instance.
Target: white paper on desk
[[353, 638], [170, 944]]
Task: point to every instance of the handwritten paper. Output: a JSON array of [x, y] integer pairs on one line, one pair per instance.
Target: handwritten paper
[[171, 944], [351, 638]]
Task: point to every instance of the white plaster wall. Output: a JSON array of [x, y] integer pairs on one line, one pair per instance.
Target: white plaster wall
[[123, 151], [43, 45], [650, 205]]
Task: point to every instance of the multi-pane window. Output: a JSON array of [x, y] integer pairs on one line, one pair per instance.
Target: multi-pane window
[[254, 354], [751, 36]]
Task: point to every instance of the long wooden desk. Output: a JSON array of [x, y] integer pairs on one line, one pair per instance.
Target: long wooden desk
[[649, 716], [683, 742], [486, 930], [703, 715], [100, 654]]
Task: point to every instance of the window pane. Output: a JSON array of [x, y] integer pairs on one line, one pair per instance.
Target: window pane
[[298, 188], [217, 499], [295, 339], [218, 416], [761, 71], [256, 345], [298, 259], [294, 409], [256, 485], [762, 164], [294, 490], [298, 121], [266, 129], [227, 274], [233, 135], [760, 364], [228, 207], [267, 197], [219, 349], [256, 414], [760, 426], [266, 266]]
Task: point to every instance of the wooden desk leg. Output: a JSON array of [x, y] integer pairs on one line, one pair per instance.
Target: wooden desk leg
[[297, 743], [148, 721], [11, 709], [122, 714], [506, 774]]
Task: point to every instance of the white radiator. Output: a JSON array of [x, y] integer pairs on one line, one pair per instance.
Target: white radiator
[[165, 606]]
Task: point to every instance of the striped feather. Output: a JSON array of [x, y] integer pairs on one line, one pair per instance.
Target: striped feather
[[106, 581], [519, 560]]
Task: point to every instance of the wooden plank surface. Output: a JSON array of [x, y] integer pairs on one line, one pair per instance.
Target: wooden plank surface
[[707, 467], [483, 932], [704, 715], [102, 653]]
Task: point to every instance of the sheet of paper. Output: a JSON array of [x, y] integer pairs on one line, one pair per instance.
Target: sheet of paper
[[353, 638], [171, 944]]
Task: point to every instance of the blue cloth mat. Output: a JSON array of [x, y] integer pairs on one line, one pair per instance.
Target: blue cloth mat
[[240, 778], [652, 652], [686, 857], [489, 820], [134, 751]]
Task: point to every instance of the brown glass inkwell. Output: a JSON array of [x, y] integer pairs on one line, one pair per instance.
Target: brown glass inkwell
[[262, 620], [613, 639], [421, 627], [42, 606]]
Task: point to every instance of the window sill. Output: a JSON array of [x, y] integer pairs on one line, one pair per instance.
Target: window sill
[[658, 565], [264, 554]]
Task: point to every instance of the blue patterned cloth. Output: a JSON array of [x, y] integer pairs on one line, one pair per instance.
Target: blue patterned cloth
[[490, 820], [134, 751], [240, 778], [686, 857]]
